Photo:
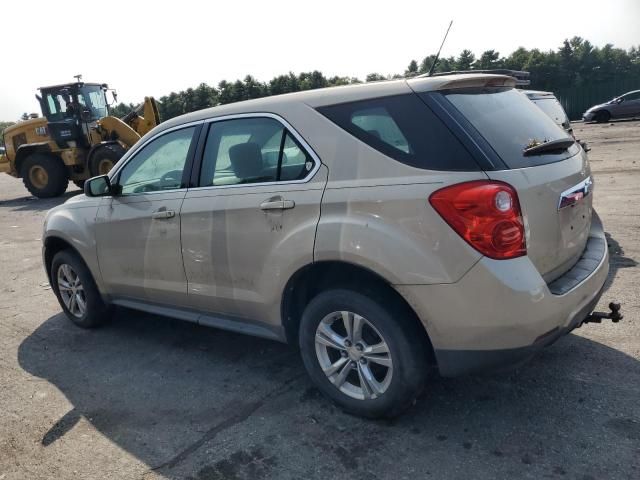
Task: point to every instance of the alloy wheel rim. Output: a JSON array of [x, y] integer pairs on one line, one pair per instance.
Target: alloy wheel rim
[[353, 355], [38, 176], [72, 290]]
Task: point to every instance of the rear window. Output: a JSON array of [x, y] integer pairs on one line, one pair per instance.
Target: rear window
[[510, 122], [405, 129]]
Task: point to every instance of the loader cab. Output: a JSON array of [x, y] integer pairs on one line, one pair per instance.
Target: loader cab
[[71, 109]]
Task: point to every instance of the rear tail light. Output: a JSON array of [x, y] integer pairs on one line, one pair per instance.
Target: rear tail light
[[486, 214]]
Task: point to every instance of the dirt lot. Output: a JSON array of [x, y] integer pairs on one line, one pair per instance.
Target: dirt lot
[[148, 397]]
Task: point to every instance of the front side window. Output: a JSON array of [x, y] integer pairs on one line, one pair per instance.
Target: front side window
[[251, 150], [159, 166], [92, 98], [631, 97]]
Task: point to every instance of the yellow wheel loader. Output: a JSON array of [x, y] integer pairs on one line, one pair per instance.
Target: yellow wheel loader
[[75, 139]]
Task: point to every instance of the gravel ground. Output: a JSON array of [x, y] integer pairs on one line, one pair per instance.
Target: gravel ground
[[149, 397]]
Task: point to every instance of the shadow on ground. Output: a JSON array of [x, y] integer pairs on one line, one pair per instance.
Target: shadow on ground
[[29, 203], [617, 260], [192, 402]]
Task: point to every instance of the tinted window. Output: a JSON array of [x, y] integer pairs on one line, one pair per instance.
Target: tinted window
[[251, 150], [404, 128], [295, 161], [510, 123], [159, 165]]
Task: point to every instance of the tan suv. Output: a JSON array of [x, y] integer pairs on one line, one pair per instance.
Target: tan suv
[[383, 228]]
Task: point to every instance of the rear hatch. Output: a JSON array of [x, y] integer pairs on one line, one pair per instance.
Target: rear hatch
[[548, 169]]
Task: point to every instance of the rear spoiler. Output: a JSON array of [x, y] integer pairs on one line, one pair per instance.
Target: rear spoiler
[[455, 81], [521, 77]]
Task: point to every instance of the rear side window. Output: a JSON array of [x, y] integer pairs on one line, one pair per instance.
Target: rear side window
[[510, 123], [405, 129]]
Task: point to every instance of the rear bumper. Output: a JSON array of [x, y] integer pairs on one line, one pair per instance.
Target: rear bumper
[[502, 312]]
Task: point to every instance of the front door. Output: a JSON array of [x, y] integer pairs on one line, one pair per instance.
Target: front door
[[251, 222], [630, 106], [138, 231]]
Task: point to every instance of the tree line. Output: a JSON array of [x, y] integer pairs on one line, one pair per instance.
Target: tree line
[[576, 62]]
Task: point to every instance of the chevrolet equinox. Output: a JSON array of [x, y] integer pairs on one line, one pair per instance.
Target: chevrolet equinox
[[384, 229]]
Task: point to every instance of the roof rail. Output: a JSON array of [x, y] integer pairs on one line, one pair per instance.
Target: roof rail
[[522, 77]]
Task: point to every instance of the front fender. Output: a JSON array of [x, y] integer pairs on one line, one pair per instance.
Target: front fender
[[74, 225]]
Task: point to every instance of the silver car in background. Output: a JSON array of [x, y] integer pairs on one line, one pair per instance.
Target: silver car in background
[[624, 106], [549, 104]]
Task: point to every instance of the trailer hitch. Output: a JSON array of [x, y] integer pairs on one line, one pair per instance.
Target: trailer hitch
[[614, 315]]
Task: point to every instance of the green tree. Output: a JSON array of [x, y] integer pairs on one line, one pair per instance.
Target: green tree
[[488, 60], [465, 60], [375, 77], [412, 69]]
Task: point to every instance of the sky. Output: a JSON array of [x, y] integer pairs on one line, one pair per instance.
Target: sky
[[144, 48]]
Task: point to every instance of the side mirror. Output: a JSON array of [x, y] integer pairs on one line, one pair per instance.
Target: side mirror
[[619, 100], [99, 187]]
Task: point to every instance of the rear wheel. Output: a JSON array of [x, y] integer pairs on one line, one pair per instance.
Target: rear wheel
[[366, 356], [76, 290], [44, 175], [104, 158], [602, 116]]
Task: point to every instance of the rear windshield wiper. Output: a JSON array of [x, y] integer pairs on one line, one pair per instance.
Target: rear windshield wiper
[[553, 145]]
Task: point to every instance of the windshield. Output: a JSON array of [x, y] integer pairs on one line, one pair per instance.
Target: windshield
[[510, 122], [92, 98]]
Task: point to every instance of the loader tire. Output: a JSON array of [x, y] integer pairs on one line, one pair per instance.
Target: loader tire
[[104, 158], [45, 176]]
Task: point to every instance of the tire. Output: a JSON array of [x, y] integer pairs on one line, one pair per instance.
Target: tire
[[65, 267], [384, 323], [104, 158], [79, 184], [45, 176], [602, 116]]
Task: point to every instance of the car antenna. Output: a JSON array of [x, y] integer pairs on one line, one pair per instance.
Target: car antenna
[[435, 60]]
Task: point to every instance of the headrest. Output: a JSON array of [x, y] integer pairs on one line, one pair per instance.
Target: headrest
[[246, 160]]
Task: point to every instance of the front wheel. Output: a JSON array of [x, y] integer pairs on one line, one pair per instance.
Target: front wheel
[[76, 290], [366, 356], [602, 116], [44, 175]]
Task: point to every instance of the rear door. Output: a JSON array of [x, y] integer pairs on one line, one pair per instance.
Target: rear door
[[251, 221], [508, 123]]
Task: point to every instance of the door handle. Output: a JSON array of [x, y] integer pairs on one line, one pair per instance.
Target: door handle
[[277, 204], [163, 214]]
